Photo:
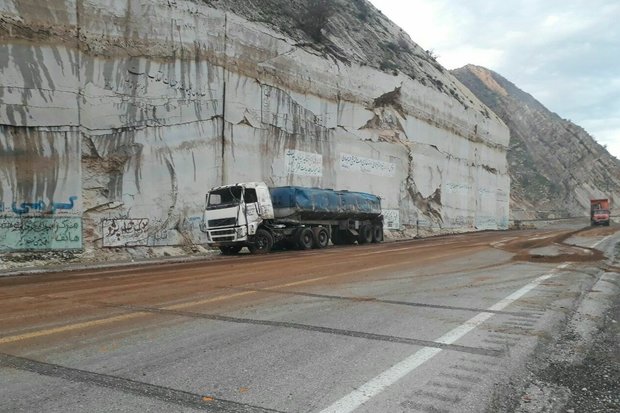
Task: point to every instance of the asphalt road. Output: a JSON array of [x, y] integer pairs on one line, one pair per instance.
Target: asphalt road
[[434, 325]]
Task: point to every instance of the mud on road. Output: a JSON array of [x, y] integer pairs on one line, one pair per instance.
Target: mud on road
[[579, 371]]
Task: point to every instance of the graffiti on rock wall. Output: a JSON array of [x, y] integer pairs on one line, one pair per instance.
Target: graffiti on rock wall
[[452, 187], [486, 222], [56, 206], [354, 163], [167, 80], [125, 232], [303, 163], [460, 221], [486, 192], [159, 232], [391, 218], [148, 86], [40, 206], [26, 207], [40, 233]]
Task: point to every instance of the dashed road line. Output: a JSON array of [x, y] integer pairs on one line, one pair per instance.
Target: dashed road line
[[379, 300], [326, 330]]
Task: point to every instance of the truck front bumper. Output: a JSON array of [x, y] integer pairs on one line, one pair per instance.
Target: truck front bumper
[[226, 236]]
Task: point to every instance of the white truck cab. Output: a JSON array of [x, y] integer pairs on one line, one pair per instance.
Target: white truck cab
[[233, 213]]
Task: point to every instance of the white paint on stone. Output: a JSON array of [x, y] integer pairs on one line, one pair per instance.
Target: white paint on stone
[[303, 163], [362, 165]]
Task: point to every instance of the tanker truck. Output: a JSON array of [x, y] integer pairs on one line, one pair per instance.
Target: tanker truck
[[258, 217]]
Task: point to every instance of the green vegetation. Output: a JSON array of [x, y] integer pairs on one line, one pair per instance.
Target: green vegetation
[[315, 18]]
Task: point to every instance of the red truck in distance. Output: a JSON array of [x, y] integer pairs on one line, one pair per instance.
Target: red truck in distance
[[599, 212]]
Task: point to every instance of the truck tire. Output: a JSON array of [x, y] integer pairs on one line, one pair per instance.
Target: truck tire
[[305, 239], [263, 242], [320, 237], [377, 233], [230, 249], [364, 234]]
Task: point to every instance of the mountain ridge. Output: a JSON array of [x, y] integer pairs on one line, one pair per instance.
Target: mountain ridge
[[555, 166]]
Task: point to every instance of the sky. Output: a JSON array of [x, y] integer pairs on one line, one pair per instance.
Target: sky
[[565, 53]]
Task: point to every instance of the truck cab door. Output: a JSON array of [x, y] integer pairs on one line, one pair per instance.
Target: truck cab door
[[264, 201], [251, 210]]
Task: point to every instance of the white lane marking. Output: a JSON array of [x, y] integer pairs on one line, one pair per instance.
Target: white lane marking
[[540, 237], [596, 244], [502, 241], [375, 386], [410, 248]]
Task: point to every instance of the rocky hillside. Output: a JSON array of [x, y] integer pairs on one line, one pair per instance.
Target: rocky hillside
[[350, 32], [555, 166], [116, 118]]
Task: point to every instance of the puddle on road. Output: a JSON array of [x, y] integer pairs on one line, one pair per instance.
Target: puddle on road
[[555, 249]]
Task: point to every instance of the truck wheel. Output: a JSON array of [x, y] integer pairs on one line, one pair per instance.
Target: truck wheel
[[263, 242], [320, 237], [230, 250], [304, 238], [365, 234], [377, 233]]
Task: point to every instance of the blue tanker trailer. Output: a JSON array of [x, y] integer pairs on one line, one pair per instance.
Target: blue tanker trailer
[[258, 217]]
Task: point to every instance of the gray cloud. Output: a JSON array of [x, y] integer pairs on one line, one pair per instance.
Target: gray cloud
[[564, 53]]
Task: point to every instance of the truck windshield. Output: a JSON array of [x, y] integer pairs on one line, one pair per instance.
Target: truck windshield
[[225, 197]]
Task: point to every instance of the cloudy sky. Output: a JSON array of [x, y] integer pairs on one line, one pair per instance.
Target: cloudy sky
[[565, 53]]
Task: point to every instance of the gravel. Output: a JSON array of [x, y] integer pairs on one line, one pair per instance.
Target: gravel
[[594, 382]]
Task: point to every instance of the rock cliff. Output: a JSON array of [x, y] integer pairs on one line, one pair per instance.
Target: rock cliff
[[116, 118], [555, 166]]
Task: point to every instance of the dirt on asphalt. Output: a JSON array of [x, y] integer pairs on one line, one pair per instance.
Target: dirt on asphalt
[[573, 373], [524, 249]]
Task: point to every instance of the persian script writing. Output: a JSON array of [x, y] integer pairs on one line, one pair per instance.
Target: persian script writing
[[171, 82], [391, 218], [486, 222], [40, 233], [125, 232], [457, 187], [354, 163], [158, 232], [461, 221], [303, 163], [40, 206], [484, 192]]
